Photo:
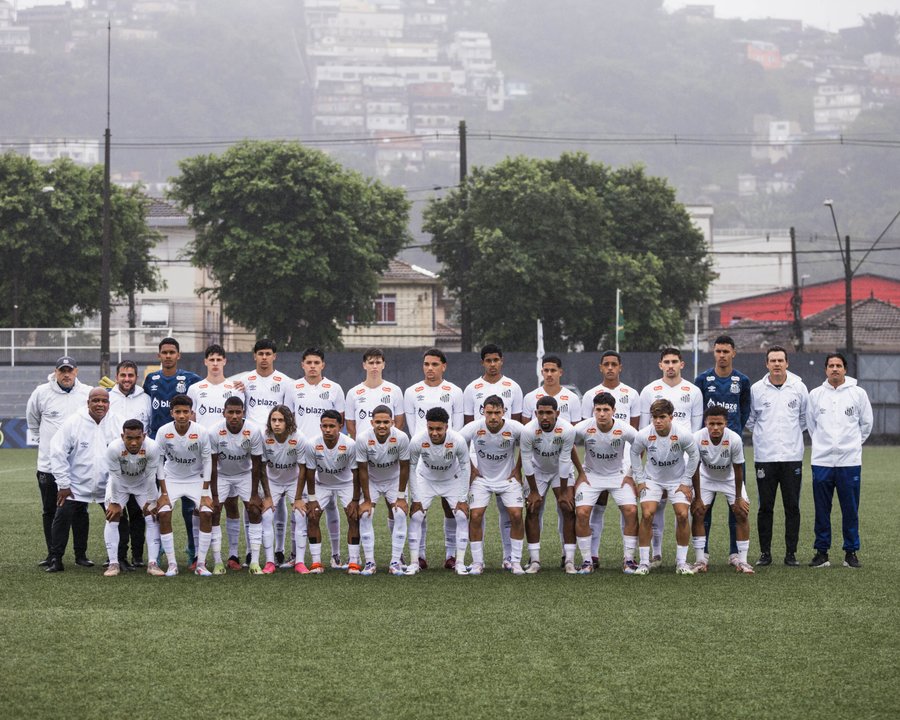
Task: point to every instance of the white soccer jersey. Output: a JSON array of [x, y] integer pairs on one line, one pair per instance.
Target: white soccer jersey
[[383, 459], [284, 459], [440, 463], [186, 457], [133, 474], [717, 461], [334, 466], [628, 404], [209, 400], [566, 402], [308, 402], [420, 398], [685, 396], [477, 390], [362, 400], [671, 459], [261, 394], [547, 453], [236, 450], [606, 453], [495, 452]]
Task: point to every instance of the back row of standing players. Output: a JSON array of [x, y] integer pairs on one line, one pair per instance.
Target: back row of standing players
[[307, 398]]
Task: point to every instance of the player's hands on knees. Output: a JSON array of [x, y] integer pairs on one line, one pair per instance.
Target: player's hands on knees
[[534, 501], [741, 508], [112, 511], [402, 506], [582, 478], [300, 506], [629, 481], [463, 507], [366, 507], [352, 510], [686, 490], [267, 503], [313, 510], [162, 501], [567, 499], [255, 502], [697, 507], [206, 501]]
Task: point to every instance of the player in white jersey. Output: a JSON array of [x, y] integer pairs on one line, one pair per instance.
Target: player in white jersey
[[132, 463], [687, 399], [362, 399], [671, 460], [284, 465], [495, 471], [382, 463], [435, 391], [185, 472], [607, 468], [209, 395], [439, 464], [628, 410], [237, 472], [547, 459], [331, 478], [721, 470], [308, 397]]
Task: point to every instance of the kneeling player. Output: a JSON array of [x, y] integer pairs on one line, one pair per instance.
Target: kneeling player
[[607, 467], [672, 458], [186, 472], [382, 463], [494, 440], [133, 464], [721, 470]]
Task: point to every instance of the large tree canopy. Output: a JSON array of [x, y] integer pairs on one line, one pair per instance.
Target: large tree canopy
[[294, 241], [553, 239], [50, 242]]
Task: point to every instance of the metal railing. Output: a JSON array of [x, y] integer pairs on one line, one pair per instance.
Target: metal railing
[[30, 345]]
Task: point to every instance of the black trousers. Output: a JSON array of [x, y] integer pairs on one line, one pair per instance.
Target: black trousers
[[769, 476], [132, 526], [79, 524], [70, 514]]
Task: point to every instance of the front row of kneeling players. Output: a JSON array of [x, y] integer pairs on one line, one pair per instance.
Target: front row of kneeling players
[[266, 466]]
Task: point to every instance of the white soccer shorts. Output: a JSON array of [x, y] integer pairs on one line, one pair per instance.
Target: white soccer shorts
[[653, 492], [509, 490], [236, 486], [340, 495], [709, 489], [588, 493]]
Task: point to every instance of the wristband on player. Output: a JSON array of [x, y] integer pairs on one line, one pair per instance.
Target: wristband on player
[[206, 492], [312, 498], [401, 495]]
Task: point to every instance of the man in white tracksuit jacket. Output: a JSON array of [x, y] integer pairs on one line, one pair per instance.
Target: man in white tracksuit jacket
[[77, 459], [49, 406], [839, 421]]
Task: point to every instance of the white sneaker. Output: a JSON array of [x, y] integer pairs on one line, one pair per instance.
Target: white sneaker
[[112, 570], [476, 569], [642, 569], [154, 569], [516, 568], [337, 563], [587, 567], [656, 562], [570, 569], [368, 569], [700, 567], [413, 569], [172, 570], [461, 569], [507, 563], [534, 567], [683, 569], [734, 559], [395, 568], [288, 564], [202, 571], [744, 568]]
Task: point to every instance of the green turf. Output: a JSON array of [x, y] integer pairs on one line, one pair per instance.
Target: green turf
[[785, 643]]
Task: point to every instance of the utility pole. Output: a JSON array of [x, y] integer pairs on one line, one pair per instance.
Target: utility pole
[[106, 251], [797, 298], [465, 319], [848, 305]]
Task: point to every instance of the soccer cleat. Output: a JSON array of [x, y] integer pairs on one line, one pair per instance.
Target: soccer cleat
[[234, 563], [450, 563], [254, 569], [279, 557], [154, 569], [138, 561], [414, 569], [734, 559], [368, 569], [820, 559], [587, 567], [246, 562], [396, 569], [595, 561], [700, 567], [338, 564], [507, 563], [460, 568], [791, 560], [629, 566], [219, 569], [202, 571], [316, 568], [301, 569], [84, 561], [534, 567], [269, 568], [112, 570], [423, 563], [353, 568], [642, 569], [172, 570], [656, 562], [851, 561], [476, 569], [287, 564], [517, 569], [744, 568], [683, 569], [764, 559], [569, 567]]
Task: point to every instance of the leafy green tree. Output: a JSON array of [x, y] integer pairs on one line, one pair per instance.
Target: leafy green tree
[[50, 242], [553, 239], [294, 241]]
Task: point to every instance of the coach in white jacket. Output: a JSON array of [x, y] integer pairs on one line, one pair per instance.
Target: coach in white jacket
[[840, 420], [778, 410], [77, 458], [49, 406]]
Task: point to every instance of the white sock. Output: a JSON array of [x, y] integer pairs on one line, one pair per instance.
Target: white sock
[[559, 525], [367, 536], [215, 543], [280, 522], [699, 542], [478, 552], [629, 544], [450, 527], [111, 537], [398, 536], [597, 516], [300, 537], [659, 526], [534, 552], [515, 550], [233, 528], [333, 520], [203, 542], [415, 527], [681, 552], [246, 531], [644, 552], [743, 546], [353, 551], [461, 535], [151, 534], [315, 552], [584, 547], [168, 546], [254, 531], [390, 520], [569, 553], [423, 540], [268, 535], [505, 525]]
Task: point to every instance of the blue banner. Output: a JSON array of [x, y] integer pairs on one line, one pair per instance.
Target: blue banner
[[13, 433]]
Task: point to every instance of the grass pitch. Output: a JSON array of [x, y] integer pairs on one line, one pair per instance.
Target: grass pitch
[[783, 643]]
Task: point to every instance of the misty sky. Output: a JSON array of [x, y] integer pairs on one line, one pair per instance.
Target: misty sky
[[826, 14]]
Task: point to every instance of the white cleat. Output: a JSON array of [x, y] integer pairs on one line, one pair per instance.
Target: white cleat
[[172, 570], [743, 568], [288, 564], [516, 568], [656, 562], [684, 569], [202, 571], [461, 569], [368, 569], [337, 563], [396, 569], [570, 568], [507, 563], [642, 569], [734, 559], [534, 567], [413, 569], [154, 570], [112, 570], [476, 569]]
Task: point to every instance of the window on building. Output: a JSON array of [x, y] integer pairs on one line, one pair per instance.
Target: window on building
[[386, 309]]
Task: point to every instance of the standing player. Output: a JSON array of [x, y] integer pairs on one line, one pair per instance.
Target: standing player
[[132, 464], [444, 472], [494, 439], [672, 458], [721, 470], [362, 399], [724, 386], [418, 399], [331, 478], [840, 420], [546, 448], [628, 410], [162, 387], [687, 401], [607, 468], [382, 463]]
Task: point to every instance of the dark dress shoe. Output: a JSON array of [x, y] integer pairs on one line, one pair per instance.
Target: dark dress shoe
[[126, 566], [45, 562], [54, 566], [138, 562], [764, 559], [84, 562], [791, 560]]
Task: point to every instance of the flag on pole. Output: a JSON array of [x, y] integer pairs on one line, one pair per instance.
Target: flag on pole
[[620, 320], [540, 350]]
